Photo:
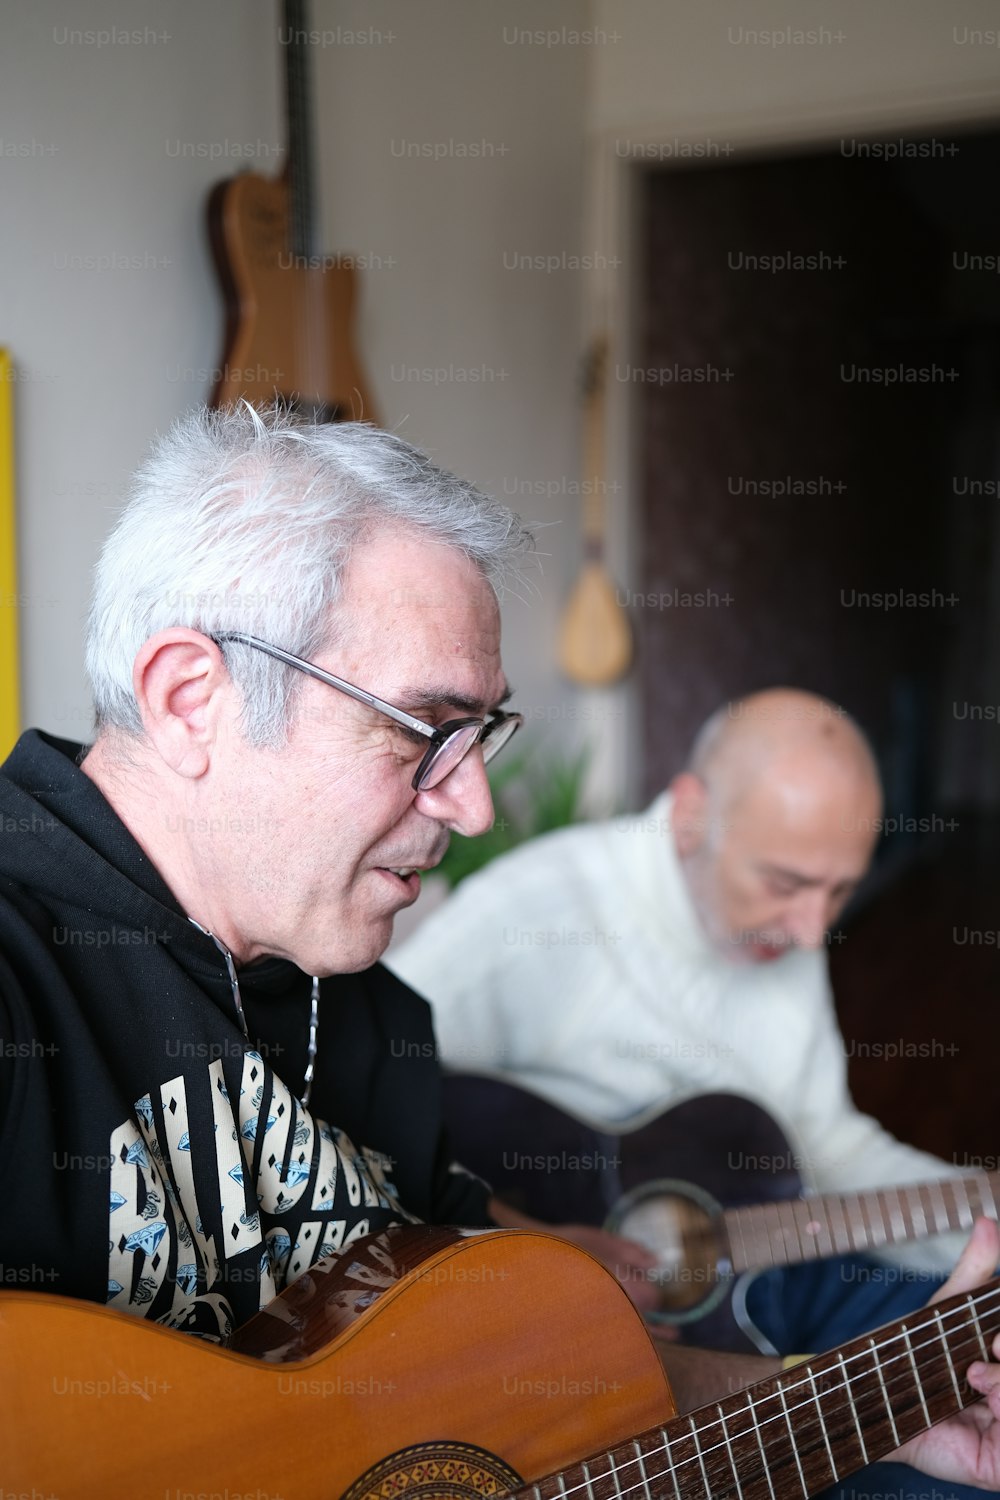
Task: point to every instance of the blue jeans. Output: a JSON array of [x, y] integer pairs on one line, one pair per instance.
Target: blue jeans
[[809, 1309]]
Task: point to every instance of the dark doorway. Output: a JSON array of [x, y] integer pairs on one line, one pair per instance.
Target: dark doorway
[[819, 391]]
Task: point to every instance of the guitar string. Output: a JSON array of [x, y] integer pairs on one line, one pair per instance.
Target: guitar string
[[829, 1417], [829, 1414], [973, 1302], [822, 1208]]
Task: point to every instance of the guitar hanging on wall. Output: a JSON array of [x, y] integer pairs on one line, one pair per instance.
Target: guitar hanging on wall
[[289, 308]]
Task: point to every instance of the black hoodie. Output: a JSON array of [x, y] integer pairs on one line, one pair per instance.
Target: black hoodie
[[150, 1156]]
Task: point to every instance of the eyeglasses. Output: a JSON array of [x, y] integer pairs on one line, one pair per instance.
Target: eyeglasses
[[449, 742]]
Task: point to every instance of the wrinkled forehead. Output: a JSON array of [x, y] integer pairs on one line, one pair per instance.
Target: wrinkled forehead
[[425, 615], [398, 578]]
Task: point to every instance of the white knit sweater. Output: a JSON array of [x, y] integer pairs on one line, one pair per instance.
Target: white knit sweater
[[576, 966]]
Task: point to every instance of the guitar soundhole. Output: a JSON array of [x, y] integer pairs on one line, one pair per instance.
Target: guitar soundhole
[[435, 1471], [683, 1232]]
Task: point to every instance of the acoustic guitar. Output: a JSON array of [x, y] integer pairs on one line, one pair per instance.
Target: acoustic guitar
[[711, 1186], [289, 308], [437, 1363]]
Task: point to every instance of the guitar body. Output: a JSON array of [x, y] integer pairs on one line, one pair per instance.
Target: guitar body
[[710, 1152], [420, 1358], [289, 325]]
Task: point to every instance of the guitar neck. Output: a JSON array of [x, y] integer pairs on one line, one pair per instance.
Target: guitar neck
[[807, 1429], [782, 1234], [298, 127]]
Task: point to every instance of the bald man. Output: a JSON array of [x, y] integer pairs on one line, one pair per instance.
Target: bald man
[[774, 823], [614, 968]]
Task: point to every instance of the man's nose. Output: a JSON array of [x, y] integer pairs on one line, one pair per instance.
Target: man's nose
[[808, 920], [463, 801]]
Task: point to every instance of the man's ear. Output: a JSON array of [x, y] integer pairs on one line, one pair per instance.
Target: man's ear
[[689, 814], [180, 680]]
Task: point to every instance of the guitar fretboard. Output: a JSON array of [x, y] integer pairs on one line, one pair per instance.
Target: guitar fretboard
[[807, 1429], [780, 1234], [299, 141]]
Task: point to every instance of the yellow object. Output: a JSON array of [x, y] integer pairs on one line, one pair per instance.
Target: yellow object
[[595, 642], [10, 714], [791, 1360]]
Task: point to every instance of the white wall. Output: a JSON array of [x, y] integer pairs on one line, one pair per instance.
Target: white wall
[[696, 64]]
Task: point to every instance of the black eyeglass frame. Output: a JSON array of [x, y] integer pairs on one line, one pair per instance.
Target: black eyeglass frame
[[437, 734]]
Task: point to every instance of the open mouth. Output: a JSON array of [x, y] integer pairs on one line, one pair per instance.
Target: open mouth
[[405, 877]]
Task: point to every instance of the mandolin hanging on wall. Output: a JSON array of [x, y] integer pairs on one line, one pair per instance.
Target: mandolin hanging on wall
[[289, 308]]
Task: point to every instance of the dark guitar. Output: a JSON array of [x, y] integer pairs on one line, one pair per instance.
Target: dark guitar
[[449, 1365], [289, 308], [666, 1182]]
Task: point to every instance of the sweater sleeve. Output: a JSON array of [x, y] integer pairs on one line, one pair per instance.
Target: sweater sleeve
[[846, 1150]]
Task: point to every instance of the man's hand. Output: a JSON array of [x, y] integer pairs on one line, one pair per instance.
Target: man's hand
[[965, 1449], [629, 1262]]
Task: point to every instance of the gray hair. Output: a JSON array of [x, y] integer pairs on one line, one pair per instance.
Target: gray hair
[[244, 520]]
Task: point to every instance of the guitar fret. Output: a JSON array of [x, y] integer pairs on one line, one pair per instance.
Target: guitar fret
[[734, 1220], [701, 1458], [763, 1238], [670, 1461], [877, 1232], [859, 1230], [613, 1471], [816, 1243], [791, 1229], [801, 1216], [642, 1467], [983, 1194], [989, 1182], [729, 1453], [585, 1467], [822, 1423], [979, 1331], [885, 1393], [844, 1236], [916, 1375], [794, 1444], [940, 1212], [966, 1215], [897, 1220], [854, 1410], [947, 1352], [861, 1224], [760, 1445], [917, 1208]]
